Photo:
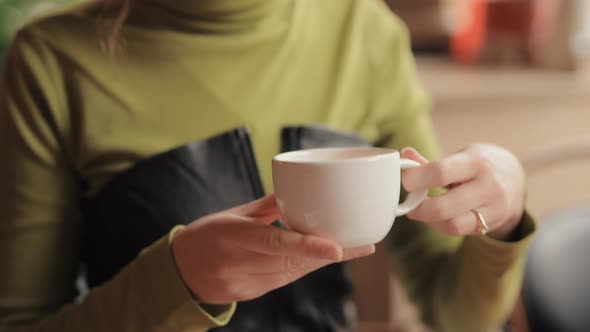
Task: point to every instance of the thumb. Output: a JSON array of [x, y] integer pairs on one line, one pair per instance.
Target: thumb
[[264, 210], [411, 153]]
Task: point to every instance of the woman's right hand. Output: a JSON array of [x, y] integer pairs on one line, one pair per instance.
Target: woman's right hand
[[237, 255]]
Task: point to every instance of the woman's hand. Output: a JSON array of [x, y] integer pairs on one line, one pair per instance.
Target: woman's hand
[[481, 177], [237, 255]]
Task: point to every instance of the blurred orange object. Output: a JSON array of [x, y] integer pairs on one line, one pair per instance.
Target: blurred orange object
[[510, 16], [494, 31], [470, 32]]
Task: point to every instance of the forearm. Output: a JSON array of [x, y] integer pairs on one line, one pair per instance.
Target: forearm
[[478, 286], [148, 295]]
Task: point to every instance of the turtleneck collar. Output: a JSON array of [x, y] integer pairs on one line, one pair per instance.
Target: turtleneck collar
[[205, 15]]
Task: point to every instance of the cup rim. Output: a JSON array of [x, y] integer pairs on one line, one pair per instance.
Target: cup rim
[[386, 154]]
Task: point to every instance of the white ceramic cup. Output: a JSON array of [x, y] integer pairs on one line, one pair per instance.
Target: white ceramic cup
[[348, 195]]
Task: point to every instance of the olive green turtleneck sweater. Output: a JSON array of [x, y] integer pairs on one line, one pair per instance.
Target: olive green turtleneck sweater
[[192, 69]]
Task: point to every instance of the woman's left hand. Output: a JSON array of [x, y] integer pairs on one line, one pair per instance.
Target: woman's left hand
[[483, 178]]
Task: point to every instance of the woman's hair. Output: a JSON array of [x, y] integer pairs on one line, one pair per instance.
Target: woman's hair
[[115, 13]]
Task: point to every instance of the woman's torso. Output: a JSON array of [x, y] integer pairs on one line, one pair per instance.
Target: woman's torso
[[306, 63]]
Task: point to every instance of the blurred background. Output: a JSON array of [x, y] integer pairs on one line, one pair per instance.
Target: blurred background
[[509, 72], [515, 73]]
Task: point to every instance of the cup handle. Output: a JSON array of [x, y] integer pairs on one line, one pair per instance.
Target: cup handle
[[413, 199]]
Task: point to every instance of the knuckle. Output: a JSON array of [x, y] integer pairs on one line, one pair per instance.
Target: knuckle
[[439, 209], [503, 196], [261, 292], [499, 191], [217, 243], [287, 269], [498, 187], [245, 294], [294, 265], [219, 270], [236, 291], [226, 287], [475, 148], [307, 243], [453, 228], [273, 239], [282, 279], [473, 161], [440, 171], [485, 166]]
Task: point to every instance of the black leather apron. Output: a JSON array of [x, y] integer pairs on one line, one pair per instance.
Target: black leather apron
[[142, 204]]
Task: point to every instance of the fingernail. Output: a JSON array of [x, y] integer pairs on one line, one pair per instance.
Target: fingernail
[[334, 254], [366, 251]]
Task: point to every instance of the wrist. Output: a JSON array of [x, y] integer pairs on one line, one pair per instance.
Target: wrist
[[177, 248]]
